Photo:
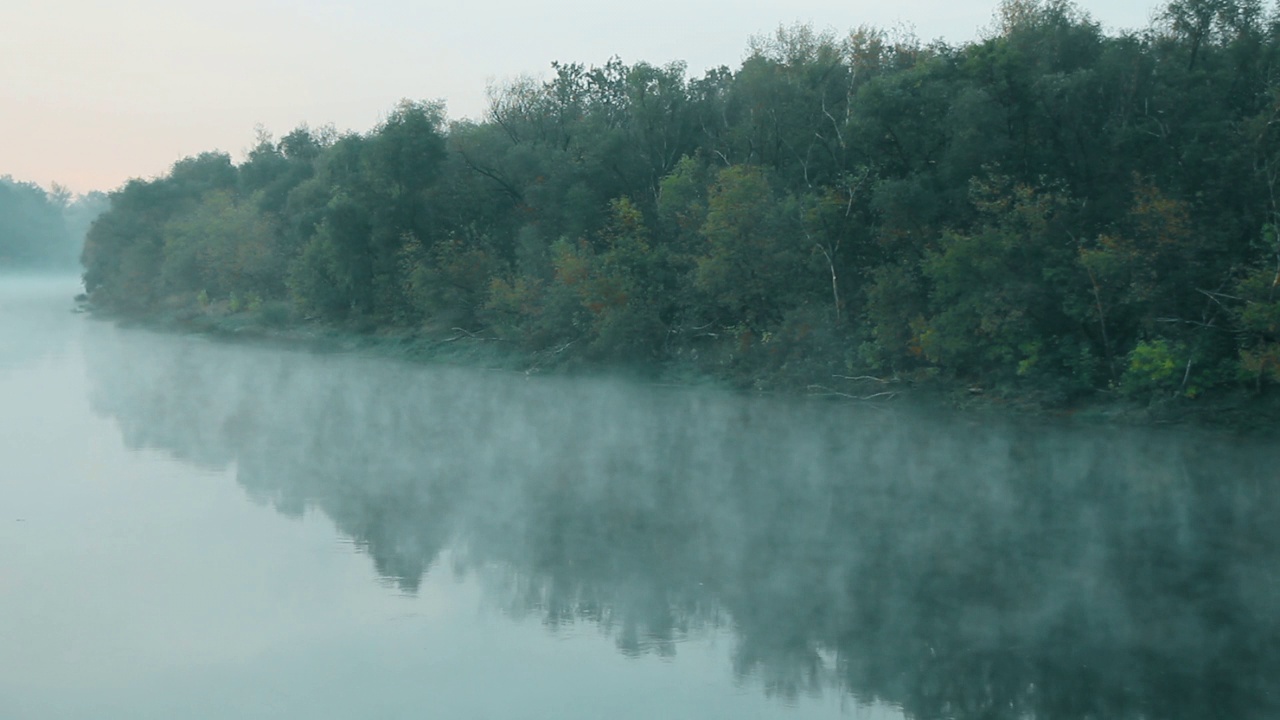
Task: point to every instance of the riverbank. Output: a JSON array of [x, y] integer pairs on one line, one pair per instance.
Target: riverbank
[[1238, 409]]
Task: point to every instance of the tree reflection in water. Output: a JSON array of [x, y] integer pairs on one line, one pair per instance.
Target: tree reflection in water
[[955, 568]]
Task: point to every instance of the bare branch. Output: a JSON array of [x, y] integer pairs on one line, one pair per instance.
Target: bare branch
[[826, 392]]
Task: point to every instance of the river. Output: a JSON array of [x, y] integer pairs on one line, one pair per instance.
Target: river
[[201, 529]]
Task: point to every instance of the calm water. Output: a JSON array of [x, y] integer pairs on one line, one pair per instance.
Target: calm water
[[191, 529]]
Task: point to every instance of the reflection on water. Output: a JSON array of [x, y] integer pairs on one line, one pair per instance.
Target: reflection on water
[[951, 568]]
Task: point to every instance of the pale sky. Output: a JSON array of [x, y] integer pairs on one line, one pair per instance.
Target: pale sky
[[94, 93]]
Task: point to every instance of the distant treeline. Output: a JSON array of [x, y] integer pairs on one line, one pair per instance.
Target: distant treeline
[[1050, 209], [42, 229]]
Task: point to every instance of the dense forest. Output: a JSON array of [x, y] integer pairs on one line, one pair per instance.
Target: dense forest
[[1050, 210], [43, 230]]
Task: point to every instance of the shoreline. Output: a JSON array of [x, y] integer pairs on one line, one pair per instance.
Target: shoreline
[[1237, 411]]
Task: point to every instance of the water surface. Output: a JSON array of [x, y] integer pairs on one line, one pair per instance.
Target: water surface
[[209, 530]]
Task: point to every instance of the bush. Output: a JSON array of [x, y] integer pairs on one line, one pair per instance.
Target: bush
[[1155, 367]]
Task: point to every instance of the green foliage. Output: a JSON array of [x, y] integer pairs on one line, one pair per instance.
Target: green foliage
[[1257, 317], [1049, 209], [682, 203], [995, 291], [447, 284], [317, 276], [513, 310], [43, 229], [757, 260], [1165, 367], [807, 346], [625, 291], [1155, 366], [222, 246], [895, 312]]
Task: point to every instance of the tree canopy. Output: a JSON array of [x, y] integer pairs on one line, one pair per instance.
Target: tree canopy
[[43, 229], [1048, 208]]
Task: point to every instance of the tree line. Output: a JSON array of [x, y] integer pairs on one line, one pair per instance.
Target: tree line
[[1048, 209], [42, 229]]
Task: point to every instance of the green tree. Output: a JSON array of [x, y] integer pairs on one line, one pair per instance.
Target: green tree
[[223, 247], [757, 260], [33, 230], [998, 293]]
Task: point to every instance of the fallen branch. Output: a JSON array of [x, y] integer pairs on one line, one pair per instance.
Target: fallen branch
[[463, 332], [864, 377], [828, 391]]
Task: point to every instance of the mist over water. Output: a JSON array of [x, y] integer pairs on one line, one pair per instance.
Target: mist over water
[[33, 322], [744, 556]]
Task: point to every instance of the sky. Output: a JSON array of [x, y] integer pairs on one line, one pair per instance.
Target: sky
[[95, 93]]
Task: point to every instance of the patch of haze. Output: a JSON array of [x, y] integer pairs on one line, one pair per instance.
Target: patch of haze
[[30, 327], [132, 585], [849, 548]]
